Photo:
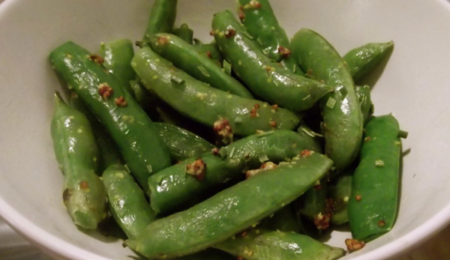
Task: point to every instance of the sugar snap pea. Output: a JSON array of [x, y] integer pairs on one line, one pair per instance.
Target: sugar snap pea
[[340, 192], [182, 144], [315, 206], [77, 154], [230, 211], [101, 92], [362, 60], [261, 75], [185, 33], [365, 101], [262, 24], [284, 220], [127, 201], [260, 244], [162, 17], [371, 212], [107, 149], [186, 57], [227, 113], [342, 119], [210, 50]]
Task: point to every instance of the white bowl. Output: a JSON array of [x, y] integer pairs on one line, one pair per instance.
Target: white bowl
[[415, 86]]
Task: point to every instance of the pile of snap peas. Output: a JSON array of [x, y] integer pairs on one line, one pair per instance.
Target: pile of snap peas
[[251, 146]]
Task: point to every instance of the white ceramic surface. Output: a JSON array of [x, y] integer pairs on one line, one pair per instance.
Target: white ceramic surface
[[414, 85]]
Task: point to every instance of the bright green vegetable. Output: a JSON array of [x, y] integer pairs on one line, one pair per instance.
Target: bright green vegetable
[[77, 154], [367, 108], [261, 23], [261, 75], [230, 211], [260, 244], [127, 201], [186, 57], [373, 205], [182, 144], [210, 50], [162, 17], [362, 60], [284, 220], [185, 33], [314, 205], [341, 111], [101, 92], [340, 192], [227, 113]]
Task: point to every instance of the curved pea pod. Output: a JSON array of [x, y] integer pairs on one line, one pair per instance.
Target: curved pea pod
[[274, 146], [186, 57], [126, 122], [259, 244], [176, 187], [262, 24], [284, 220], [208, 254], [365, 101], [340, 192], [231, 210], [117, 57], [107, 149], [210, 50], [185, 33], [77, 154], [182, 144], [364, 59], [261, 75], [162, 18], [315, 206], [227, 113], [341, 111], [371, 212], [127, 201]]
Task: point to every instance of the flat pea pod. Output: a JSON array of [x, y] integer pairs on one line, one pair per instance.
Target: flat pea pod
[[128, 125], [127, 201], [107, 149], [77, 154], [117, 57], [261, 75], [260, 244], [185, 33], [182, 144], [365, 101], [208, 254], [371, 212], [284, 220], [275, 146], [342, 119], [210, 50], [209, 106], [186, 57], [262, 24], [314, 205], [363, 59], [162, 18], [340, 192], [231, 210], [173, 188]]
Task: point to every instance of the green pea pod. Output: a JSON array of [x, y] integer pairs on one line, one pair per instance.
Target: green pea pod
[[127, 201], [182, 144], [108, 151], [187, 58], [207, 105], [314, 205], [128, 125], [262, 24], [274, 146], [284, 220], [371, 212], [210, 50], [362, 60], [340, 192], [77, 154], [365, 101], [162, 18], [230, 211], [117, 57], [185, 33], [341, 111], [259, 244], [261, 75], [208, 254]]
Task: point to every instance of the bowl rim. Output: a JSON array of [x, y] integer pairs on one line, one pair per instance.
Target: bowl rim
[[55, 246]]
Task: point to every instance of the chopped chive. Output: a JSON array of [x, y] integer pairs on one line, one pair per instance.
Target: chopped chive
[[310, 132], [331, 102], [379, 163], [203, 71], [227, 67], [247, 35]]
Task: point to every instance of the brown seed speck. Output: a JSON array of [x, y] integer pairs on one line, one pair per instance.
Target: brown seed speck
[[256, 106], [322, 221], [163, 40], [353, 245], [309, 72], [285, 52], [120, 102], [212, 33], [230, 33], [381, 223], [215, 151], [253, 113], [196, 169], [97, 59], [84, 185], [208, 53], [305, 153], [223, 129], [367, 139], [358, 197], [244, 234], [275, 107], [241, 16], [273, 123], [105, 91]]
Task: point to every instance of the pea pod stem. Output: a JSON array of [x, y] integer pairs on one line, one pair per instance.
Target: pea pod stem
[[185, 33], [162, 18]]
